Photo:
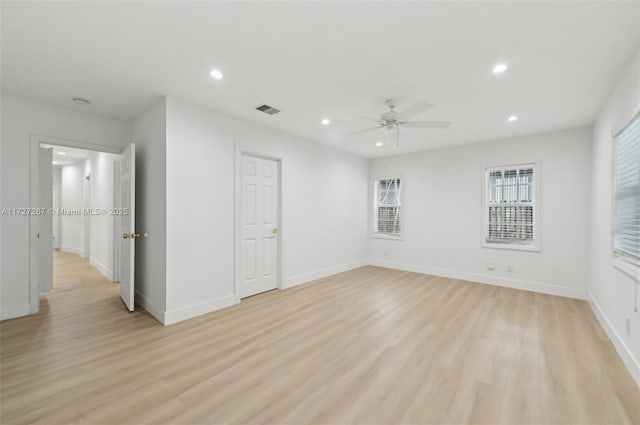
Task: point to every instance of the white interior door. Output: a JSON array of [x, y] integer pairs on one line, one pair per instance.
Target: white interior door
[[56, 206], [45, 221], [259, 211], [127, 224]]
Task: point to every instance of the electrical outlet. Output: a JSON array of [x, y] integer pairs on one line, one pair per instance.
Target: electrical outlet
[[491, 266], [384, 253], [510, 268], [627, 324]]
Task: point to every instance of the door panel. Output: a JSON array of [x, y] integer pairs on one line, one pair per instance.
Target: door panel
[[267, 195], [249, 204], [45, 221], [128, 235], [267, 251], [259, 225], [250, 260]]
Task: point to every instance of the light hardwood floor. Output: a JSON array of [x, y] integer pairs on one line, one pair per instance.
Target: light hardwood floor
[[368, 346]]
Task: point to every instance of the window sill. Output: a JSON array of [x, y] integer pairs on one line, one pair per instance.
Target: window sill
[[628, 269], [513, 247], [387, 237]]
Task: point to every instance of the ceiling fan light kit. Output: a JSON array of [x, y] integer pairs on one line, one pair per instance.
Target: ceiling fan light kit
[[393, 120]]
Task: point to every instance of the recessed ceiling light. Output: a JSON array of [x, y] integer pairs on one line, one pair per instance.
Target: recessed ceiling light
[[378, 144], [326, 121], [61, 153], [500, 68], [216, 73], [512, 118], [55, 162], [81, 101]]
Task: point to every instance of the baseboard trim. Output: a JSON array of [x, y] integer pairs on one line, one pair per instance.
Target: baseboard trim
[[193, 310], [143, 302], [543, 288], [13, 311], [623, 351], [319, 274], [72, 250], [101, 268]]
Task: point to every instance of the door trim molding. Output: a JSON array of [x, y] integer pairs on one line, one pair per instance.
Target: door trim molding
[[34, 144], [240, 151]]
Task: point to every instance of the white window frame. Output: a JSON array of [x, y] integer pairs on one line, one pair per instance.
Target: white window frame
[[375, 234], [535, 246], [617, 261]]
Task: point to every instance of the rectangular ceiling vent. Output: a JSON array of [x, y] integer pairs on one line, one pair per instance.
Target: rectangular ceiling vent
[[269, 110]]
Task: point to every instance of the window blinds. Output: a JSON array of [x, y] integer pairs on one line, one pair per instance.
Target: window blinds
[[626, 237], [388, 206], [510, 203]]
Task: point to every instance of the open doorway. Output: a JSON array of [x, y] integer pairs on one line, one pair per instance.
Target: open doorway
[[83, 192], [85, 200]]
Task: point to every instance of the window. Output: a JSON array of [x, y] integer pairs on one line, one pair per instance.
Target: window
[[510, 207], [626, 226], [388, 207]]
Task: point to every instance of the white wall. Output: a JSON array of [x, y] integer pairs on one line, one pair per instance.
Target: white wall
[[612, 291], [101, 167], [71, 198], [324, 205], [22, 118], [443, 192], [149, 134]]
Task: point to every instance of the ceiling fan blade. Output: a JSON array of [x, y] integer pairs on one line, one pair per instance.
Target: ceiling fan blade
[[426, 124], [366, 130], [364, 117], [417, 108]]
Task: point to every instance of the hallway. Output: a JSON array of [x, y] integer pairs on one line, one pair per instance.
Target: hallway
[[79, 287], [72, 270]]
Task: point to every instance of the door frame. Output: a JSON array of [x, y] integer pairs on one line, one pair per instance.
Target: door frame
[[237, 217], [34, 144], [86, 203]]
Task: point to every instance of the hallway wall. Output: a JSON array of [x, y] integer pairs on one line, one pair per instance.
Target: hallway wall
[[72, 197], [101, 166]]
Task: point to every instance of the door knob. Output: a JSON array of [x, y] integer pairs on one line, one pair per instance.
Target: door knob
[[274, 230], [125, 235], [131, 235]]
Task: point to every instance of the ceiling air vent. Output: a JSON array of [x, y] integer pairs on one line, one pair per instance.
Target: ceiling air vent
[[269, 110]]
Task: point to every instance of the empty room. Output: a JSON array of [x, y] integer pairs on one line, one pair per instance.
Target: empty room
[[310, 212]]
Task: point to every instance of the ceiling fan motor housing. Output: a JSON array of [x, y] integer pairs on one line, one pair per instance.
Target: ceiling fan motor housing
[[390, 116]]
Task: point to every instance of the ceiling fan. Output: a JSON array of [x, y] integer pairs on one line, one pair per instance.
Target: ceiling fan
[[393, 120]]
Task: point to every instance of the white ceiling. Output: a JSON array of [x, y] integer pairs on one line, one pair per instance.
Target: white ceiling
[[321, 59]]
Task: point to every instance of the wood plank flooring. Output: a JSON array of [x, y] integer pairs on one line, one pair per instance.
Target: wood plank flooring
[[369, 346]]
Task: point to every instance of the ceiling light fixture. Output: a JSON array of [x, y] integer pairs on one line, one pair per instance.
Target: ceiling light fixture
[[216, 74], [61, 153], [55, 162], [378, 144], [512, 118], [500, 68], [326, 121], [81, 101]]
